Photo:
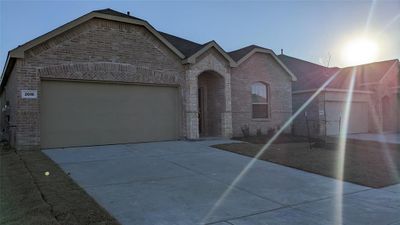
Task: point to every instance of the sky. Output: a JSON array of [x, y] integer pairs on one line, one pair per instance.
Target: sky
[[315, 31]]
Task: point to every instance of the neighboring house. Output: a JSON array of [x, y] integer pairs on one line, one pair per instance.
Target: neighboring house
[[374, 103], [108, 77]]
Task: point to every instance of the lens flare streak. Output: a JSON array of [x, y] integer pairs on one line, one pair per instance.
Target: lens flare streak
[[341, 151], [265, 147]]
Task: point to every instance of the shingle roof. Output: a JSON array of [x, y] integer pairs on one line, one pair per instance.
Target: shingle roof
[[240, 53], [312, 76], [309, 75], [187, 47], [366, 73]]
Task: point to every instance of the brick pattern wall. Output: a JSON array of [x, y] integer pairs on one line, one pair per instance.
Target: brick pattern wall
[[213, 89], [108, 51], [211, 60], [260, 67], [98, 50]]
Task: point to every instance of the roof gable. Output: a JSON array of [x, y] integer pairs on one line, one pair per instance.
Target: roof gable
[[102, 14], [240, 53], [207, 46], [243, 54], [111, 12]]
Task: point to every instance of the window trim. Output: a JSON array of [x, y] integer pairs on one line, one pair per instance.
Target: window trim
[[268, 102]]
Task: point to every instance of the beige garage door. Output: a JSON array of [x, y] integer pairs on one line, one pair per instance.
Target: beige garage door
[[84, 113], [358, 121]]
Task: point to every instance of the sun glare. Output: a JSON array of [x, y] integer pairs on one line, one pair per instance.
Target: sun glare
[[360, 51]]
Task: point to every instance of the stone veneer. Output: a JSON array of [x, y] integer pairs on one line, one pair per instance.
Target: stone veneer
[[209, 61]]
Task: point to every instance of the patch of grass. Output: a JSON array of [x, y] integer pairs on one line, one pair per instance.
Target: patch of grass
[[28, 196], [370, 164]]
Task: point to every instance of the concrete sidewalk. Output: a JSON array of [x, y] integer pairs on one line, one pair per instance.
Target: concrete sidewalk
[[181, 182]]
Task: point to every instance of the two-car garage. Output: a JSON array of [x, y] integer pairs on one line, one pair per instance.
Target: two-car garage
[[92, 113]]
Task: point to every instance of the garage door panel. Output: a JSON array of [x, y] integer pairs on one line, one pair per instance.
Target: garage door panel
[[77, 114], [358, 121]]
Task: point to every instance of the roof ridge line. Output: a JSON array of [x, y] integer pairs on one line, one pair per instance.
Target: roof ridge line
[[336, 67], [366, 64]]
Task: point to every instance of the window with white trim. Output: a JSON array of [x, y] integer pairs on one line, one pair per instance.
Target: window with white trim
[[260, 100]]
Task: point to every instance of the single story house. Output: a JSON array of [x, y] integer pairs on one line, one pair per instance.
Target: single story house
[[374, 105], [109, 77]]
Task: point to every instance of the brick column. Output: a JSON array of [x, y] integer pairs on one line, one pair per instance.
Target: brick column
[[192, 119], [227, 115]]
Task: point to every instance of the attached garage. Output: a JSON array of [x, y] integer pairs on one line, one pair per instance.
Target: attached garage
[[89, 113], [358, 121]]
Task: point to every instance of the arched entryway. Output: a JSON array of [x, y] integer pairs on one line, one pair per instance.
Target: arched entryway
[[211, 103], [386, 114]]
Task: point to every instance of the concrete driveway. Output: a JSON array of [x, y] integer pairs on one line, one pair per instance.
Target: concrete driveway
[[179, 183]]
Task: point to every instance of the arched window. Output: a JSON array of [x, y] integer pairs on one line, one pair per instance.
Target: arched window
[[260, 100]]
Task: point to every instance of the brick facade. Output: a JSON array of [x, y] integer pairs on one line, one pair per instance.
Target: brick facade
[[209, 61], [102, 50], [260, 67], [98, 50]]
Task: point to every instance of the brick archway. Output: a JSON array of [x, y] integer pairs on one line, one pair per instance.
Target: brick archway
[[211, 103]]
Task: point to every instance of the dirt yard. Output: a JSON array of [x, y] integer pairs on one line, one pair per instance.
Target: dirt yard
[[29, 195], [366, 163]]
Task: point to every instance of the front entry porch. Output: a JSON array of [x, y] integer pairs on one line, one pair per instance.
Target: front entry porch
[[208, 107], [211, 104]]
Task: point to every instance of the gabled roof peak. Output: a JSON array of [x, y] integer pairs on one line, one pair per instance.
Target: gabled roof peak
[[240, 53], [112, 12]]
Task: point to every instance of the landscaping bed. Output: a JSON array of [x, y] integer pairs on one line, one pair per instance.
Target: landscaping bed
[[29, 195], [374, 165], [262, 139]]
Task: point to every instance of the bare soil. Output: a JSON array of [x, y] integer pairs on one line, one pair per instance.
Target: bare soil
[[370, 164], [28, 196]]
